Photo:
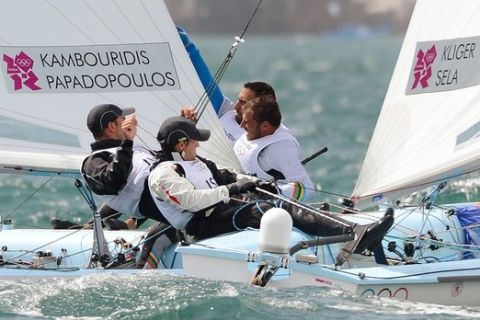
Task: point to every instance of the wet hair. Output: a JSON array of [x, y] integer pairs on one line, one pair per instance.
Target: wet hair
[[261, 89], [264, 108]]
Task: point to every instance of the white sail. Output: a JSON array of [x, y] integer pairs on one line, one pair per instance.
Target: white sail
[[61, 58], [429, 126]]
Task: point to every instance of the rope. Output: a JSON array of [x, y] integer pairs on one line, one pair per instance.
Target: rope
[[148, 238], [203, 101]]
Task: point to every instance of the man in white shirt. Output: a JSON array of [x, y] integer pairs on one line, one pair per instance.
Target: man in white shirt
[[268, 150], [230, 113]]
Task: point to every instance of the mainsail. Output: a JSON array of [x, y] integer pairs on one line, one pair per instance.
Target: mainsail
[[429, 126], [60, 58]]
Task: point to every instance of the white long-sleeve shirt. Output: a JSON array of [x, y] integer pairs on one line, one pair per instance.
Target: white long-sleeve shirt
[[178, 197]]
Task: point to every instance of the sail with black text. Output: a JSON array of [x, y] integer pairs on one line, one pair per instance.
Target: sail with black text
[[429, 127], [84, 53]]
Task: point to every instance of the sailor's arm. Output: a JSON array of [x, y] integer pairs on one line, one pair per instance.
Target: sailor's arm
[[212, 88], [107, 173], [284, 157], [169, 185]]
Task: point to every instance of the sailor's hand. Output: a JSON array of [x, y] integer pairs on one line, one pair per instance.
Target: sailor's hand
[[131, 223], [129, 127], [241, 186], [268, 186], [189, 113]]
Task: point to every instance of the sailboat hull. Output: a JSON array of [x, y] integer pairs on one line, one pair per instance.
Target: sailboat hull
[[235, 257], [452, 283], [431, 276]]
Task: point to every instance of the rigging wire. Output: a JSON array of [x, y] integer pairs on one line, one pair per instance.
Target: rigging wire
[[42, 246], [86, 194], [204, 99], [29, 197], [304, 206]]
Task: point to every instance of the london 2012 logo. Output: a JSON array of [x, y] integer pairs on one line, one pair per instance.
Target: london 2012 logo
[[20, 70], [423, 68]]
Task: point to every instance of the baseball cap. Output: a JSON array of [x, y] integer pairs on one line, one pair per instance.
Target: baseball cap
[[177, 129], [99, 117]]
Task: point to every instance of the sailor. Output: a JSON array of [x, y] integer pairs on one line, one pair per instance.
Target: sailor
[[117, 171], [230, 113], [193, 195], [300, 186], [268, 150], [108, 169], [113, 170]]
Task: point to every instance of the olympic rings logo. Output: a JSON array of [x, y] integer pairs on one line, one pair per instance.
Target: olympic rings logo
[[400, 293], [24, 62]]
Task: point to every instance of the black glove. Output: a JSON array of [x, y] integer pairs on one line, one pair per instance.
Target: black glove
[[241, 186], [268, 186]]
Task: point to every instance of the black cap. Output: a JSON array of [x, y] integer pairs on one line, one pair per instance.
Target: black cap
[[177, 129], [99, 117]]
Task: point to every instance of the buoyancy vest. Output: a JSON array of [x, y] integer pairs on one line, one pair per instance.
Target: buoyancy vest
[[199, 175], [247, 151], [232, 129]]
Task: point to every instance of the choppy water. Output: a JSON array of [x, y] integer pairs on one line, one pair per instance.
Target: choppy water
[[174, 297], [330, 92]]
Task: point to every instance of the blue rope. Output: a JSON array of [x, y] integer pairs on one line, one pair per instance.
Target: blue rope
[[257, 204], [235, 215]]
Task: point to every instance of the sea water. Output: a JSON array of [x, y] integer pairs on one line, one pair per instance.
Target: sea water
[[330, 92]]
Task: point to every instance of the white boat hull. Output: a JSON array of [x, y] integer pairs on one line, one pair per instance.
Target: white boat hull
[[235, 257], [434, 279], [450, 283]]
